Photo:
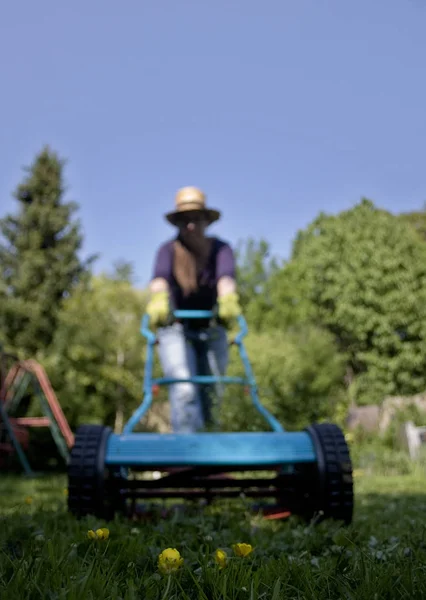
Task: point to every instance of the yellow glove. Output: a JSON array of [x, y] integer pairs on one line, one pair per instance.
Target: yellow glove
[[229, 307], [158, 309]]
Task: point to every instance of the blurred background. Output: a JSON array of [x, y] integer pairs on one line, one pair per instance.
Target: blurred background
[[303, 122]]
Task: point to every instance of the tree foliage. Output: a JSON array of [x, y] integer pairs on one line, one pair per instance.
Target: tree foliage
[[39, 259], [299, 374], [362, 275], [348, 307], [417, 220], [255, 266], [97, 354]]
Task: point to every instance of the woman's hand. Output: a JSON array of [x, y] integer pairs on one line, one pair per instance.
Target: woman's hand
[[158, 308], [228, 300], [229, 307]]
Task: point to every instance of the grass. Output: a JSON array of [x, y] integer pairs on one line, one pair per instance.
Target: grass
[[46, 554]]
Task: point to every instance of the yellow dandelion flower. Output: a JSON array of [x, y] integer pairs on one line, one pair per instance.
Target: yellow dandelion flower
[[28, 500], [221, 558], [169, 561], [99, 534], [65, 492], [242, 549], [103, 534]]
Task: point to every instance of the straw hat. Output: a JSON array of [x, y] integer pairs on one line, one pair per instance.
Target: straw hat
[[191, 199]]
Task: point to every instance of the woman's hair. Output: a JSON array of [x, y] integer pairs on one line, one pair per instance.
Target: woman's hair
[[188, 263]]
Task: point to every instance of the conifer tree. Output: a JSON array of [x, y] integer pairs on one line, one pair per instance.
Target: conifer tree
[[39, 257]]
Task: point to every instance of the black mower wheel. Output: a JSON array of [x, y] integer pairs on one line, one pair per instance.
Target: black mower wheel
[[331, 490], [89, 489]]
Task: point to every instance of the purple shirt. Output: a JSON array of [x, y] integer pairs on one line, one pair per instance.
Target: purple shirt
[[221, 263]]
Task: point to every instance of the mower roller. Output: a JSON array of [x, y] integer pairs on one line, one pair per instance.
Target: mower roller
[[312, 469]]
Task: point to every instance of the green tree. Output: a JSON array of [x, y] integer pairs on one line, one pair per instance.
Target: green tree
[[417, 220], [299, 375], [97, 357], [362, 276], [255, 265], [123, 271], [39, 259]]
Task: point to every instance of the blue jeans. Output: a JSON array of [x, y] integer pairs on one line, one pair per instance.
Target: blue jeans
[[184, 354]]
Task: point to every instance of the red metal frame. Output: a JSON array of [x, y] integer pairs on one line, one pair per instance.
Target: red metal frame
[[33, 367], [33, 421]]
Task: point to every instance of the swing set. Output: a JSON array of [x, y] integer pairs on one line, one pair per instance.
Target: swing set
[[20, 380]]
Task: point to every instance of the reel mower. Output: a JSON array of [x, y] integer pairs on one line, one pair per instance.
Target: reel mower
[[312, 469]]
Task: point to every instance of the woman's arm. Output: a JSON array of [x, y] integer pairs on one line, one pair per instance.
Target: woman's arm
[[162, 270], [226, 271], [158, 306], [159, 284], [228, 301], [226, 285]]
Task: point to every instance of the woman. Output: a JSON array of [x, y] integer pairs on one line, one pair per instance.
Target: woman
[[192, 272]]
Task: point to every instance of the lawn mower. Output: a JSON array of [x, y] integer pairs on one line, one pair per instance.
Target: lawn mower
[[312, 470]]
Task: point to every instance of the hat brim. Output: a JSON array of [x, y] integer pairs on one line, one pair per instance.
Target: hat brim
[[211, 215]]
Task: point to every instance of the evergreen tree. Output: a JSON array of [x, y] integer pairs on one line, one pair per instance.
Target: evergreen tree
[[39, 259]]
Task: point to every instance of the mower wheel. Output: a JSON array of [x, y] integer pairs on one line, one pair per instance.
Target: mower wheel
[[331, 490], [89, 492]]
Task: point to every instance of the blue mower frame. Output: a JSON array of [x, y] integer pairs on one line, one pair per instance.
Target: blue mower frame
[[313, 469]]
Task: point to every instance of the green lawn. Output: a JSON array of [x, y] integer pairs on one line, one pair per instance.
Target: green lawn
[[46, 554]]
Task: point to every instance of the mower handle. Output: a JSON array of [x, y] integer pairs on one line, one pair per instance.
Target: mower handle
[[192, 314], [248, 380]]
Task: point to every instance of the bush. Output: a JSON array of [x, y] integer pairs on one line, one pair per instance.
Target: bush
[[299, 375]]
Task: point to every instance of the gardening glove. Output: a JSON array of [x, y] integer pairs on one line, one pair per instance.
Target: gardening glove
[[158, 309], [229, 308]]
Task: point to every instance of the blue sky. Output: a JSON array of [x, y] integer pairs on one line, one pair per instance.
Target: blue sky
[[277, 109]]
